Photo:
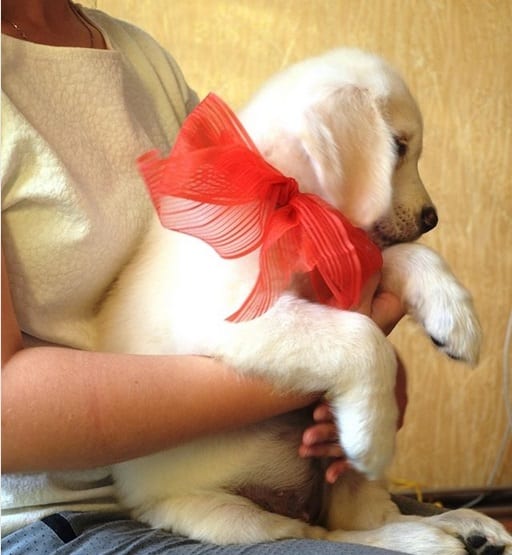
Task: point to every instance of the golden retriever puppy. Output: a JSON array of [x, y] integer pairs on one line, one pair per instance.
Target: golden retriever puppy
[[345, 126]]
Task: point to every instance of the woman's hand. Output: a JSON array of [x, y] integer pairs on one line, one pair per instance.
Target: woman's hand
[[321, 438]]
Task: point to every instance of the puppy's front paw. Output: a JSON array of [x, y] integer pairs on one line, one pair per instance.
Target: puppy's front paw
[[434, 298], [306, 347], [449, 317], [366, 412]]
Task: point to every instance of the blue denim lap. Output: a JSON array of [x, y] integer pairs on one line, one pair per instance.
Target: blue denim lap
[[100, 534]]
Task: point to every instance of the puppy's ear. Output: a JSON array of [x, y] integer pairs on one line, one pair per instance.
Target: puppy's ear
[[351, 150]]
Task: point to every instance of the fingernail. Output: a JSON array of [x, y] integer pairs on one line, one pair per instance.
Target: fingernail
[[303, 451], [330, 477]]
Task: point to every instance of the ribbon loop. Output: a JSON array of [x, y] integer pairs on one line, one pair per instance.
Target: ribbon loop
[[216, 186]]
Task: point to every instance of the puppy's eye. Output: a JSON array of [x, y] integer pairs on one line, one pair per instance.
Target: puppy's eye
[[400, 147]]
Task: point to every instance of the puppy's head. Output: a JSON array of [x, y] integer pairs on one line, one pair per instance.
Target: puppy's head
[[346, 127]]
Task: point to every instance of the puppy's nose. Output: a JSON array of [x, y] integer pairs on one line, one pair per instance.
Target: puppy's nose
[[428, 218]]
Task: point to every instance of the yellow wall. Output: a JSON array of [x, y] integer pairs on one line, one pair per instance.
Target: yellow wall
[[457, 58]]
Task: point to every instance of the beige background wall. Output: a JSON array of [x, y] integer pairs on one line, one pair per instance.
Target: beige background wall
[[457, 57]]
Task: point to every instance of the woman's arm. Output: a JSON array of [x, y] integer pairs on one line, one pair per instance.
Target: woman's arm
[[64, 409], [11, 334], [69, 409]]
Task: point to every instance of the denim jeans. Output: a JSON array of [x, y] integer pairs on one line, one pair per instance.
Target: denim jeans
[[102, 534]]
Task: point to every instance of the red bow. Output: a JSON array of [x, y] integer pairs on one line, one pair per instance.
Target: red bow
[[216, 186]]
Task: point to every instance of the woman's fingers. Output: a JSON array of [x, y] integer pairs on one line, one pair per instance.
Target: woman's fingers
[[335, 469], [322, 451], [323, 413], [320, 433], [321, 440]]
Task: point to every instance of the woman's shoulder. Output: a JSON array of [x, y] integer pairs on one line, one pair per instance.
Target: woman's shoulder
[[120, 29], [139, 47]]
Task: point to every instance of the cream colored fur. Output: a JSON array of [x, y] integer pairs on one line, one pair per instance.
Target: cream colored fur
[[333, 123]]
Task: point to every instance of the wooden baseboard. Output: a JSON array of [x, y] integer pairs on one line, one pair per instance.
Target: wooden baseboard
[[494, 502]]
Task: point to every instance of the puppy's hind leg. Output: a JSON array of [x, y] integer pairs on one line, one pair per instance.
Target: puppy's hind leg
[[356, 503], [366, 510], [480, 534], [458, 532], [223, 518], [415, 538]]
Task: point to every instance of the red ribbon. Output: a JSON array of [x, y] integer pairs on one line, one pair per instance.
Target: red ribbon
[[216, 186]]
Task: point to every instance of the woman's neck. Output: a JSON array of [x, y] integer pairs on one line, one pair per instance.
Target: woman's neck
[[51, 22]]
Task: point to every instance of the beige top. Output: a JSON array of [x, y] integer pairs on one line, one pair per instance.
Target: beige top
[[74, 209], [74, 121]]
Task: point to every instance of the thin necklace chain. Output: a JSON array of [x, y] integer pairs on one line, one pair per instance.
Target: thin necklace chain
[[16, 27], [79, 16]]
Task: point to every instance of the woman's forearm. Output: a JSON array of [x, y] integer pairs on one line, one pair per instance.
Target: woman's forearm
[[69, 409]]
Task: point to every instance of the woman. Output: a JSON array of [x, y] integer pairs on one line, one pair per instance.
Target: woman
[[83, 96]]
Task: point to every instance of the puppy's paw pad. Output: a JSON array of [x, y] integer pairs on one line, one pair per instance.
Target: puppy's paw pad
[[445, 349], [479, 545], [456, 335], [437, 342], [476, 542], [493, 550]]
